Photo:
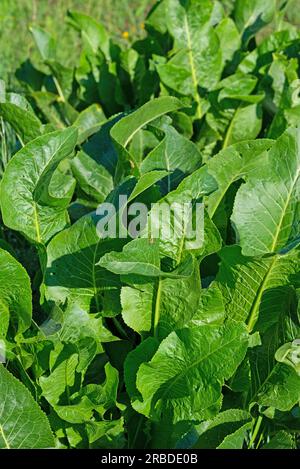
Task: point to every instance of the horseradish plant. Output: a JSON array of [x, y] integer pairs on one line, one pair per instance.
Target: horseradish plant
[[149, 342]]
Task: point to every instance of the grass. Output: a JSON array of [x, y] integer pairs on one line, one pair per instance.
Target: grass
[[16, 16]]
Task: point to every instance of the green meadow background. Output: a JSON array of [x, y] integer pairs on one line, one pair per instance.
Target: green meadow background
[[16, 16]]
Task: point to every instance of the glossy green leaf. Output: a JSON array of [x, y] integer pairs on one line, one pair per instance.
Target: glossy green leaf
[[161, 304], [23, 425], [253, 286], [265, 223], [281, 389], [15, 295], [30, 209], [89, 122], [246, 124], [171, 217], [26, 125], [124, 130], [234, 163], [147, 180], [173, 384], [94, 179], [198, 62], [168, 156]]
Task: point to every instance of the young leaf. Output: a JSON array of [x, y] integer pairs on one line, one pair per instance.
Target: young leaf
[[93, 33]]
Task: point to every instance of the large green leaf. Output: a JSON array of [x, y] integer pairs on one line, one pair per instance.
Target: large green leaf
[[141, 257], [26, 203], [184, 378], [266, 209], [126, 128], [72, 255], [253, 286], [22, 423], [161, 304], [71, 271], [170, 220], [210, 306], [198, 59], [15, 295]]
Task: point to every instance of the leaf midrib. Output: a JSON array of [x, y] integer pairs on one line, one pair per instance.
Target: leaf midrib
[[157, 309], [4, 437], [192, 65], [279, 227], [257, 300]]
